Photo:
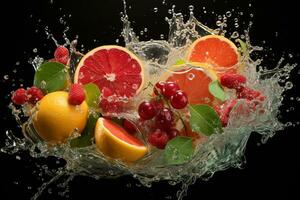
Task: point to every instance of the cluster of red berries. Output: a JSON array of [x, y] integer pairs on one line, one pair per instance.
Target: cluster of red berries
[[31, 95], [236, 82], [163, 116]]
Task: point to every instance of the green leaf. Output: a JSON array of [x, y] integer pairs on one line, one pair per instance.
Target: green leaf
[[243, 46], [178, 150], [92, 94], [204, 119], [51, 77], [216, 90], [180, 62], [88, 133]]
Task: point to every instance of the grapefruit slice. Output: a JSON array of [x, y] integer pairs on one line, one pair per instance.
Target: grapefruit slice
[[115, 142], [111, 67], [193, 81], [215, 50]]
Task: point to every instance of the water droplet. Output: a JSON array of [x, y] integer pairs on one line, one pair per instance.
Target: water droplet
[[297, 98], [288, 85], [145, 30], [170, 11], [142, 32], [6, 77], [290, 55], [292, 98], [35, 50], [18, 157], [228, 14], [155, 9], [191, 8], [251, 15], [236, 25], [191, 76], [162, 36], [163, 2], [117, 40], [250, 5], [235, 34], [135, 86], [18, 63]]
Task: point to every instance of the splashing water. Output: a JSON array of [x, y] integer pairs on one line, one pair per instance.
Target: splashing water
[[218, 152]]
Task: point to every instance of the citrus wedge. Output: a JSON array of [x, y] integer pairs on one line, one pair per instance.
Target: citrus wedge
[[115, 142], [194, 79], [218, 51], [112, 67]]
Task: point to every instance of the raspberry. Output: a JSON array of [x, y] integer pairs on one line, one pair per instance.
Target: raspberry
[[76, 94], [19, 97], [232, 81], [61, 55], [250, 94], [34, 95], [224, 110], [129, 126], [158, 139]]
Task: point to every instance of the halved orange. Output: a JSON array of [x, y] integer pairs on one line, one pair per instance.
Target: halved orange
[[115, 142], [113, 67], [194, 80], [218, 51]]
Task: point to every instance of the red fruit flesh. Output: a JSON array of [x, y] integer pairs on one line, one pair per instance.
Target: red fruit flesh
[[19, 97], [250, 94], [224, 110], [158, 139], [76, 94], [129, 126]]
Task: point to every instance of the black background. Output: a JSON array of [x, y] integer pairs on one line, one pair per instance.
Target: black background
[[272, 169]]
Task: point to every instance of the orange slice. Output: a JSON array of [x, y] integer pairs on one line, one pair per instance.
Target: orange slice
[[112, 67], [115, 142], [215, 50], [194, 80]]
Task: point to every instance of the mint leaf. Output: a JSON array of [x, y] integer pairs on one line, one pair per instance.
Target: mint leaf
[[92, 94], [51, 77], [178, 150], [216, 90], [204, 119], [87, 134]]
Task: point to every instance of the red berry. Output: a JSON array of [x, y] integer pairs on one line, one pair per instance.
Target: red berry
[[146, 110], [224, 110], [172, 133], [179, 100], [250, 94], [61, 55], [164, 119], [158, 105], [34, 94], [159, 87], [76, 94], [170, 89], [19, 97], [129, 126], [158, 139], [232, 81]]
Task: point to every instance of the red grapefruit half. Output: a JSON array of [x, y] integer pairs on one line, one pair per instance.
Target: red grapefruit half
[[112, 67]]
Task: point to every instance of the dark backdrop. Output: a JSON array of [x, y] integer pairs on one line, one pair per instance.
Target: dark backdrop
[[272, 170]]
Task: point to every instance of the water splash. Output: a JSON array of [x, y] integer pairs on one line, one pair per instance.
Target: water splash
[[217, 153]]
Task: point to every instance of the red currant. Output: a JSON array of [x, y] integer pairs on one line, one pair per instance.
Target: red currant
[[159, 87], [158, 105], [170, 89], [172, 133], [146, 110], [179, 100], [129, 126], [164, 119], [19, 97], [158, 139]]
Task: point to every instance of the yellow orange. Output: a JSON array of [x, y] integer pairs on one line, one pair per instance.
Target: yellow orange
[[55, 119]]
